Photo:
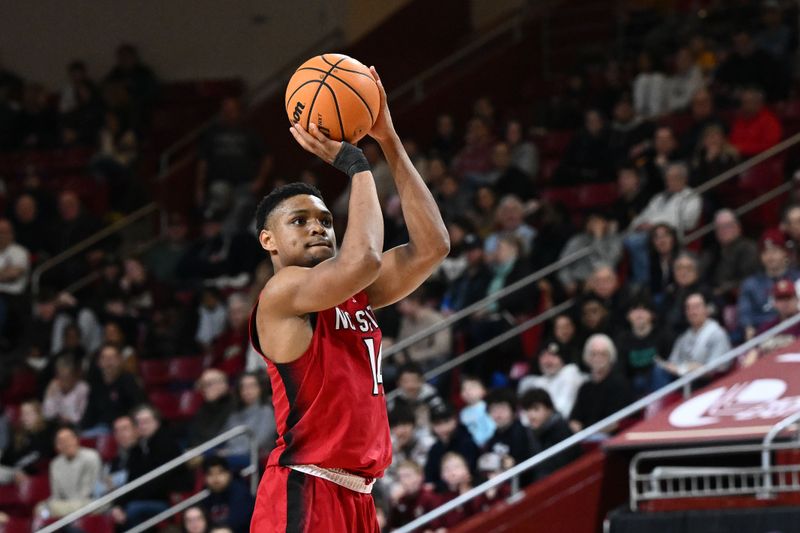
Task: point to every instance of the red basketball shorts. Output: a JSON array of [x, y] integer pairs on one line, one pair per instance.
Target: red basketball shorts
[[293, 502]]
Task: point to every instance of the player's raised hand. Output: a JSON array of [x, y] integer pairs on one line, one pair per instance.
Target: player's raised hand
[[383, 128], [316, 142]]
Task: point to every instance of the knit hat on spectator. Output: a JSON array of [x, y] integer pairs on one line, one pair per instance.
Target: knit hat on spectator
[[773, 238], [784, 289], [490, 462]]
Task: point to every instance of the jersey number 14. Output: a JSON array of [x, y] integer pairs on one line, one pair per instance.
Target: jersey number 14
[[374, 363]]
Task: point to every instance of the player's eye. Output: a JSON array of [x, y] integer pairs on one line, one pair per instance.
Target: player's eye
[[327, 222], [299, 221]]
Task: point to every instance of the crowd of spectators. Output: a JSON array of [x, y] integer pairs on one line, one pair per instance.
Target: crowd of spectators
[[647, 309]]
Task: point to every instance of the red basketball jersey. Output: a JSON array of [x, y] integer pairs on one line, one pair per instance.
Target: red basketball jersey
[[329, 403]]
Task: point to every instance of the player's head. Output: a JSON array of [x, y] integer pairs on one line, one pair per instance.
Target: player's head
[[295, 227]]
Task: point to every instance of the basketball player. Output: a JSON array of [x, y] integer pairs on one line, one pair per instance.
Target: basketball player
[[315, 325]]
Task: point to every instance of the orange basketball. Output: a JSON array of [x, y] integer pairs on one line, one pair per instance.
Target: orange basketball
[[338, 93]]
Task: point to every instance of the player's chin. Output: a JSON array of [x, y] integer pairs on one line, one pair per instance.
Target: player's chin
[[318, 254]]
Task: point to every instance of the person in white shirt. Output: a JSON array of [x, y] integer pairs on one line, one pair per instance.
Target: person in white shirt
[[684, 82], [15, 263], [560, 380], [678, 206], [649, 88], [67, 394], [703, 342]]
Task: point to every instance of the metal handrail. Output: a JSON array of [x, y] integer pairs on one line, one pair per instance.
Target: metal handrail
[[766, 461], [600, 426], [185, 457], [265, 88], [172, 511], [87, 243]]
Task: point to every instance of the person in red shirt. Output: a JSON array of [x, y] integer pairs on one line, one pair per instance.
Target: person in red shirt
[[315, 326], [755, 127]]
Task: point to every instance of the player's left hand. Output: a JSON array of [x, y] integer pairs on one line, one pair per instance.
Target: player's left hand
[[316, 142], [383, 128]]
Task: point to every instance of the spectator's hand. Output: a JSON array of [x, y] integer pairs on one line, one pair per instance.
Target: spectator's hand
[[65, 299], [383, 128], [315, 142], [575, 426], [749, 358], [118, 515], [749, 333]]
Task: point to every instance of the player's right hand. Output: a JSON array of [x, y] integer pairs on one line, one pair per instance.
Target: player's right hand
[[316, 142]]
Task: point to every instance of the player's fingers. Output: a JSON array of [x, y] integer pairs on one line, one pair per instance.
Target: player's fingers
[[378, 83], [316, 133], [297, 133]]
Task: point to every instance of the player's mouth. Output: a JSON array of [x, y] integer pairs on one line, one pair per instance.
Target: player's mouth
[[325, 244]]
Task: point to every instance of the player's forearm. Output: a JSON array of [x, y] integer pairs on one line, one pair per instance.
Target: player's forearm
[[363, 241], [426, 230]]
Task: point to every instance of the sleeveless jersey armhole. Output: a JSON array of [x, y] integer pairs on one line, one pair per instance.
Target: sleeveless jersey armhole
[[256, 343]]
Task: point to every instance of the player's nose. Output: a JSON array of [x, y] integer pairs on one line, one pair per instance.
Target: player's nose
[[316, 227]]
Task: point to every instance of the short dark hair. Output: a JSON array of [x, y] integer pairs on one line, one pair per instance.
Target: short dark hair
[[215, 460], [502, 396], [534, 397], [400, 415], [278, 195], [410, 368]]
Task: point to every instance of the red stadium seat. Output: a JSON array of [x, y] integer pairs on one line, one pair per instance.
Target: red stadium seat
[[188, 404], [22, 387], [186, 368], [17, 524], [166, 402], [34, 489], [96, 523], [106, 446], [12, 414], [154, 372]]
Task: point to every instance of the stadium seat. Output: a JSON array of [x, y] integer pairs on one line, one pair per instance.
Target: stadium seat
[[166, 402], [17, 524], [154, 372], [106, 446], [34, 489], [22, 387], [188, 404], [96, 523], [12, 414], [186, 368]]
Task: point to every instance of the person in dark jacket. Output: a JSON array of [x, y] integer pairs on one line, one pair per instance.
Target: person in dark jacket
[[218, 405], [549, 429], [155, 447], [230, 504], [451, 436], [113, 392], [587, 157], [511, 438]]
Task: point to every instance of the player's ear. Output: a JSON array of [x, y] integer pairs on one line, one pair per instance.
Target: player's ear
[[267, 241]]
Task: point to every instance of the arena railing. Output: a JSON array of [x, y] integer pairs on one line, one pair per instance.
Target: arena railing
[[599, 427], [101, 503], [580, 254]]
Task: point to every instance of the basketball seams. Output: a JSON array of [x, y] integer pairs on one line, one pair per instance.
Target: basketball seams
[[347, 69], [343, 82], [336, 104], [289, 99], [316, 94]]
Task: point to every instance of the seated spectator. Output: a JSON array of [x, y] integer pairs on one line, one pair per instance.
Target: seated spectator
[[595, 317], [216, 409], [506, 178], [731, 259], [663, 251], [457, 478], [775, 37], [747, 66], [112, 165], [599, 234], [524, 154], [650, 87], [483, 214], [416, 316], [586, 158], [474, 161], [786, 304], [415, 394], [72, 226], [230, 503], [604, 285], [409, 442], [511, 439], [162, 259], [640, 346], [445, 143], [565, 335], [15, 264], [136, 78], [30, 227], [114, 335], [627, 130], [451, 437], [67, 394], [490, 465], [686, 269], [549, 428], [713, 156], [755, 127], [509, 266], [113, 392], [212, 317], [230, 347], [195, 520], [684, 81], [755, 306], [702, 114], [702, 343], [155, 447], [37, 124], [80, 107], [656, 158], [474, 414], [790, 226], [73, 475], [126, 438], [678, 206], [409, 495], [606, 392], [30, 445], [453, 199], [254, 411], [510, 219], [560, 379], [632, 197], [471, 285]]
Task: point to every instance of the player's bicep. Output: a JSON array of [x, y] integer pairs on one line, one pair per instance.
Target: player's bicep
[[402, 271], [300, 290]]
